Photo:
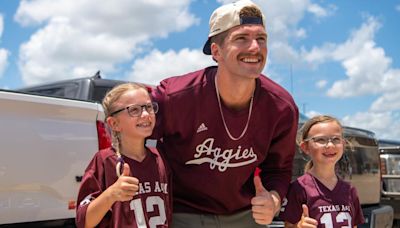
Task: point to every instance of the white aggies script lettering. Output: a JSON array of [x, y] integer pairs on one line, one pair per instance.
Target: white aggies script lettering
[[224, 159]]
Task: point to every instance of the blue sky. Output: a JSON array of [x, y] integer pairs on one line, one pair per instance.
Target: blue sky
[[336, 57]]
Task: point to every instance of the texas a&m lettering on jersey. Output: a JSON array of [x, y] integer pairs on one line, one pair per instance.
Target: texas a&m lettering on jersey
[[223, 159], [148, 187]]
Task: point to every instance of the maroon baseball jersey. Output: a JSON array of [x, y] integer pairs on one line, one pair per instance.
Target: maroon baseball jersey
[[337, 208], [211, 172], [151, 206]]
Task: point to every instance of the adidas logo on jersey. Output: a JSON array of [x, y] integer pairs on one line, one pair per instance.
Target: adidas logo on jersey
[[201, 128]]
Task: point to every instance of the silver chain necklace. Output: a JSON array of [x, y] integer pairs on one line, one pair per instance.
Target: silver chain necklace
[[223, 119]]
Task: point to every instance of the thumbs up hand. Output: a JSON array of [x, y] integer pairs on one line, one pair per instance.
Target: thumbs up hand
[[264, 203], [306, 221], [125, 187], [126, 170]]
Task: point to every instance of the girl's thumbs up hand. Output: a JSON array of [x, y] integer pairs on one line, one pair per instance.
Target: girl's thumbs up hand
[[125, 187], [306, 221]]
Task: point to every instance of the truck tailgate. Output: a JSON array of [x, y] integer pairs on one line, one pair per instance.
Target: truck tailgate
[[46, 144]]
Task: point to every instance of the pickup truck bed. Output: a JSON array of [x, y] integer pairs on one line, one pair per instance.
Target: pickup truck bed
[[46, 145]]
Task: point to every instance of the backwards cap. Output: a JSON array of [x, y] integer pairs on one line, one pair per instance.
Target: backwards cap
[[228, 16]]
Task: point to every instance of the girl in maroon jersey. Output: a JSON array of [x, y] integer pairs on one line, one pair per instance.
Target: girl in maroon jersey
[[126, 185], [319, 198]]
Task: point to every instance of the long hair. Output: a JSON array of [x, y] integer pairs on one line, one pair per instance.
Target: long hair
[[109, 100]]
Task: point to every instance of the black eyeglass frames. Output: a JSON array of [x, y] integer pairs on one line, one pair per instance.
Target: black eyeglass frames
[[136, 110]]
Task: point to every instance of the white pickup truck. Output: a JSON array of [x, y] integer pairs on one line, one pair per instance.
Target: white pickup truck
[[46, 143]]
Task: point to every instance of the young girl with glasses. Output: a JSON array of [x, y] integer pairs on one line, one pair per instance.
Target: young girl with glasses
[[320, 198], [128, 184]]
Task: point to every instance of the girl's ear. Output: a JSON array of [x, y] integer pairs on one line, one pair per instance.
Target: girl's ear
[[345, 142], [113, 123], [304, 147]]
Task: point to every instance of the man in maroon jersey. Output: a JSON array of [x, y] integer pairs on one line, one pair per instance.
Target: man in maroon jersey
[[220, 123]]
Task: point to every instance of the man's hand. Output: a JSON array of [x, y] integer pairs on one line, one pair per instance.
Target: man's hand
[[264, 204], [306, 221]]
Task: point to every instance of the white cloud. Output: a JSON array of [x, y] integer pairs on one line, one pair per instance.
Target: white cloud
[[3, 52], [283, 18], [321, 84], [391, 80], [118, 17], [383, 124], [318, 55], [283, 25], [365, 63], [59, 50], [282, 52], [387, 102], [312, 113], [3, 60], [282, 22], [301, 33], [398, 8], [390, 100], [318, 10], [79, 38], [157, 65], [364, 70], [368, 71], [1, 25], [357, 41]]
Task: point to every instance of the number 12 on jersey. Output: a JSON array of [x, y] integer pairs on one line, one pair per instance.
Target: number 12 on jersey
[[151, 201]]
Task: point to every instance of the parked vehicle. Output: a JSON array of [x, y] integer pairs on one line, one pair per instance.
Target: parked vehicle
[[390, 166], [46, 143], [87, 89], [48, 139]]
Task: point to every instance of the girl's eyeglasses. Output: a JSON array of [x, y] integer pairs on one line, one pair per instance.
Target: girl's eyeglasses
[[136, 110], [324, 140]]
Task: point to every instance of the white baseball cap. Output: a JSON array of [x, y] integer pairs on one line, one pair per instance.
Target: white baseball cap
[[228, 16]]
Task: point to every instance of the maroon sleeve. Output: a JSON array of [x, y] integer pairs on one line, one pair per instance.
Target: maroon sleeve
[[292, 205], [276, 170], [159, 95], [358, 214], [91, 187]]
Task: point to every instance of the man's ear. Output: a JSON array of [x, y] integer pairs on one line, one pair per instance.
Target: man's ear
[[215, 51]]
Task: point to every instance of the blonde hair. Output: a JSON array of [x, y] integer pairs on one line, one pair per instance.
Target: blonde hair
[[305, 129], [109, 100]]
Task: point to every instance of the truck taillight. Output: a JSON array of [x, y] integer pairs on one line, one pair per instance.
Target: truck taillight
[[103, 135], [383, 166]]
